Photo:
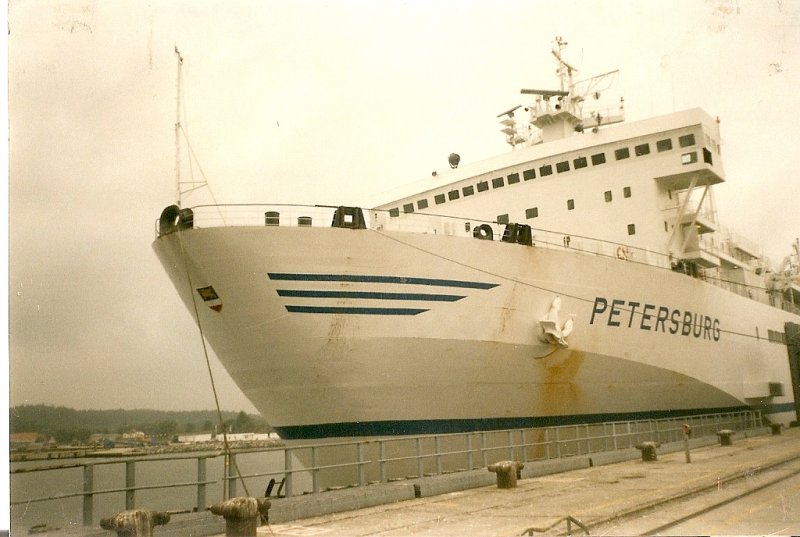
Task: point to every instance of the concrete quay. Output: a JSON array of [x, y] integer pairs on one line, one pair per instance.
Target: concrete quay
[[613, 493]]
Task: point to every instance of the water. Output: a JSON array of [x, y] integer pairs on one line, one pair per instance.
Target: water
[[68, 512]]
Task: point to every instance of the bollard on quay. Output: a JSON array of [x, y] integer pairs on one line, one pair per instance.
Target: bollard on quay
[[241, 515], [135, 523], [507, 473], [776, 428], [725, 437], [648, 450]]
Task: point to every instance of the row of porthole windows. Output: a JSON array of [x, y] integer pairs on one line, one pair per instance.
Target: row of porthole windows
[[597, 159], [533, 212]]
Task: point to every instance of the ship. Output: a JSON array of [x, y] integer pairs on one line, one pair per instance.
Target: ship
[[580, 277]]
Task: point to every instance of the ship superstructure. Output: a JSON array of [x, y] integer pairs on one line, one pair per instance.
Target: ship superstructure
[[583, 276]]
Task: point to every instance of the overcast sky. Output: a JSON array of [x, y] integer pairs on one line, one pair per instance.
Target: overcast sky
[[318, 102]]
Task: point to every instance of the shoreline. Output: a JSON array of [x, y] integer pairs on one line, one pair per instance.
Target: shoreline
[[82, 452]]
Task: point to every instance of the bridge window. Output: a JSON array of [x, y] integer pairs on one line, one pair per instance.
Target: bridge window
[[562, 166], [408, 208], [468, 190], [394, 212], [533, 212], [631, 229], [686, 140], [513, 178], [626, 192], [502, 218], [622, 153], [483, 186], [642, 149], [439, 199], [579, 163], [664, 145], [498, 182], [422, 204], [689, 158], [570, 204], [452, 195], [607, 195], [527, 175], [545, 170], [599, 158]]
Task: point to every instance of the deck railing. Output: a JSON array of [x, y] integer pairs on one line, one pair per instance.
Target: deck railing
[[208, 216], [362, 462]]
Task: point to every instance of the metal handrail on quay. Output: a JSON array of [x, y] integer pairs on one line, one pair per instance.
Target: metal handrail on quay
[[369, 461]]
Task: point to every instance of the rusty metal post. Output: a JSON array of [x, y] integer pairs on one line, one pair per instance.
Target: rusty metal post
[[242, 515], [135, 523], [507, 473]]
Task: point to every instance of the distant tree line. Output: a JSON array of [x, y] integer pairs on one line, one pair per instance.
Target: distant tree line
[[68, 424]]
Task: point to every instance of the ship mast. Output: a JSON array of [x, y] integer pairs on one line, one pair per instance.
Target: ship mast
[[178, 125], [190, 184], [559, 113]]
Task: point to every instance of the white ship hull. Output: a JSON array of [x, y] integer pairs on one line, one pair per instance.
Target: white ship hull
[[341, 332]]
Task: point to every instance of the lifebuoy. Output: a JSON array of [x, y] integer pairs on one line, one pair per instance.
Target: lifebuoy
[[483, 232], [622, 253]]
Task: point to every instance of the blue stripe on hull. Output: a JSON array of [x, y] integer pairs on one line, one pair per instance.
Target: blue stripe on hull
[[361, 278], [417, 427], [354, 311], [369, 295]]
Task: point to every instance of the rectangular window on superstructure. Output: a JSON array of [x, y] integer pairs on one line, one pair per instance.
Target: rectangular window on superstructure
[[664, 145], [513, 178], [483, 186], [707, 156], [439, 199], [502, 219], [570, 205], [452, 195], [626, 192], [599, 158], [622, 153], [394, 212], [527, 175], [579, 163], [631, 229], [607, 195], [689, 158], [468, 190], [408, 208], [562, 166], [533, 212], [642, 149], [498, 182], [545, 170], [686, 140], [422, 204]]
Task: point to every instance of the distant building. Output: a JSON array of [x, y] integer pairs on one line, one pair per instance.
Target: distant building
[[194, 438], [26, 440], [104, 439]]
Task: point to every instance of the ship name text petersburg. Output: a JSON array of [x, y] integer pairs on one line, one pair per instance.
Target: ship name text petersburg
[[618, 312]]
